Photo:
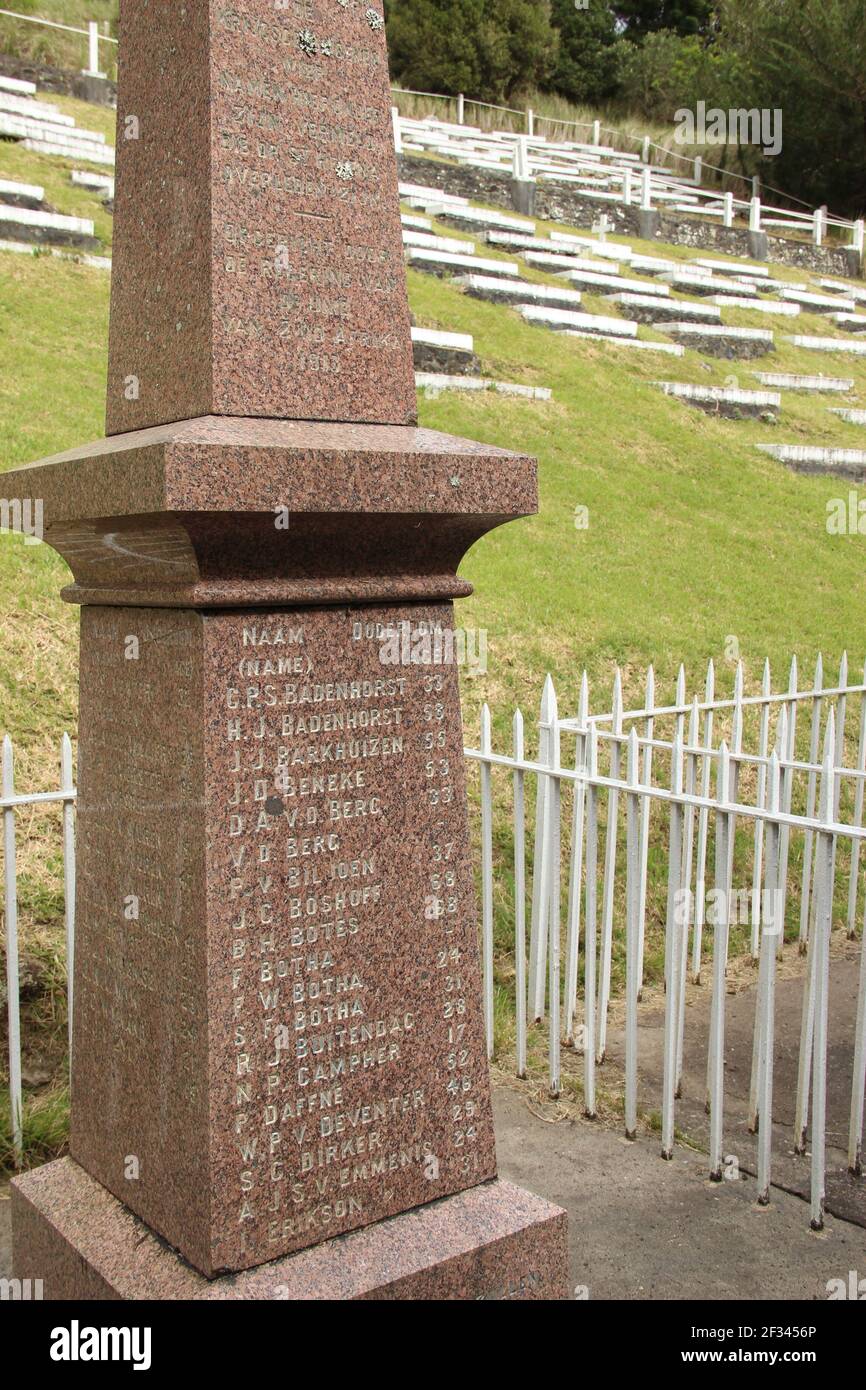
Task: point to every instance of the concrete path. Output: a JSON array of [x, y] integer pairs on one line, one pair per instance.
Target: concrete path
[[846, 1195], [645, 1229]]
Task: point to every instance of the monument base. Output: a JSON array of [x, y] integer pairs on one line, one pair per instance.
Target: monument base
[[495, 1241]]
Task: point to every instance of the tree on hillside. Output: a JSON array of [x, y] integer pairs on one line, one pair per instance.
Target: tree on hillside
[[809, 60], [667, 73], [486, 48], [589, 46], [642, 17]]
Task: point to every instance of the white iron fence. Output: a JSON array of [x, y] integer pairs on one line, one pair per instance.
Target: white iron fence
[[612, 172], [10, 804], [679, 780], [667, 807], [91, 33]]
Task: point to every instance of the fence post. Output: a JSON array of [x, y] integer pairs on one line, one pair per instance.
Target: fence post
[[487, 878], [553, 896], [461, 108], [646, 777], [703, 823], [609, 871], [763, 749], [853, 882], [591, 930], [772, 924], [67, 784], [92, 69], [645, 151], [522, 171], [818, 226], [729, 210], [859, 236], [773, 837], [673, 926], [787, 753], [721, 910], [808, 841], [13, 1003], [858, 1085], [626, 187], [691, 774], [699, 169], [596, 132], [823, 922], [755, 215], [520, 892], [572, 947], [538, 925], [633, 896], [807, 1020], [398, 134], [646, 201], [530, 122]]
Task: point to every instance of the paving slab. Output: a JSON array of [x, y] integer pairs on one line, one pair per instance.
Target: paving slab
[[827, 345], [451, 263], [846, 1195], [641, 1228], [723, 342], [646, 309]]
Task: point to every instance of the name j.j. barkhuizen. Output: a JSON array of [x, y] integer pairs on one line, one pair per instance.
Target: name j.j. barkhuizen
[[77, 1343]]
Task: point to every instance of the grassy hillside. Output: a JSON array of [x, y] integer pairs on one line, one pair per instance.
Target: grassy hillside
[[693, 536], [56, 47]]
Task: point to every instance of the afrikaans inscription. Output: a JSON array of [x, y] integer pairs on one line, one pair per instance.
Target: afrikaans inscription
[[341, 889]]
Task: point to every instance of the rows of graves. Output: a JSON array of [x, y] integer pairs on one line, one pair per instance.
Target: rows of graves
[[41, 127], [640, 302], [683, 304], [26, 218], [608, 176]]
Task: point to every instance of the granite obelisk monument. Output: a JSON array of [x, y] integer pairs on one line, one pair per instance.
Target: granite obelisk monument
[[277, 1034]]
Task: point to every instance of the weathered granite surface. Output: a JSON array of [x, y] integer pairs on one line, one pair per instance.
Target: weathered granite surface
[[494, 1242], [281, 1040]]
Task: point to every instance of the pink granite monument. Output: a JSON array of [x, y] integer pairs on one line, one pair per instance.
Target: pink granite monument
[[277, 1037]]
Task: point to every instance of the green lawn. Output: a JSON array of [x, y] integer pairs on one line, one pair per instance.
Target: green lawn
[[694, 538], [56, 47]]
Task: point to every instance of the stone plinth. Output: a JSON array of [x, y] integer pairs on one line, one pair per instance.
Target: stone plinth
[[277, 1033], [494, 1242], [215, 512], [285, 1041]]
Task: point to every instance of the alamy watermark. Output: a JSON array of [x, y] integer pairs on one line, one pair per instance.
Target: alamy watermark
[[426, 644], [737, 126], [846, 516], [21, 1290], [77, 1343], [735, 908], [853, 1288], [22, 516]]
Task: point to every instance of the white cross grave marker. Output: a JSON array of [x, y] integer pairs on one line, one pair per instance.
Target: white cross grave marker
[[602, 226]]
